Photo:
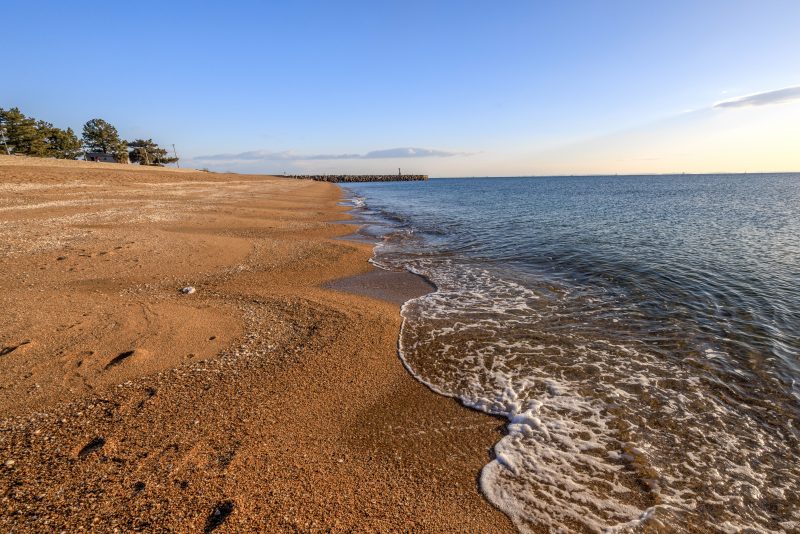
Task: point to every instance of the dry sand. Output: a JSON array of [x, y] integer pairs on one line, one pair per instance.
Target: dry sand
[[264, 401]]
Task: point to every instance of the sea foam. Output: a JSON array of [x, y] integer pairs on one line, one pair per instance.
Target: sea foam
[[628, 409], [602, 435]]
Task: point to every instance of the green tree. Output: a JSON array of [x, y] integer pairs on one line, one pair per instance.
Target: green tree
[[26, 135], [38, 145], [100, 136], [22, 136], [62, 144], [146, 152]]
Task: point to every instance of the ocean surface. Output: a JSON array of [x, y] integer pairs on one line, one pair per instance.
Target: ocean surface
[[640, 334]]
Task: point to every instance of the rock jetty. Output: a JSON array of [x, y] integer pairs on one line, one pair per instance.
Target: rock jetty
[[343, 178]]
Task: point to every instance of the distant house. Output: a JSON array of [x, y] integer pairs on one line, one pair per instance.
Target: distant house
[[100, 156]]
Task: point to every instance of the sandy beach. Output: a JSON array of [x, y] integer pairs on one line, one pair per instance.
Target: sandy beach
[[270, 399]]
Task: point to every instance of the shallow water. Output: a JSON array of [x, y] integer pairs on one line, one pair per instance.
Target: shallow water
[[641, 335]]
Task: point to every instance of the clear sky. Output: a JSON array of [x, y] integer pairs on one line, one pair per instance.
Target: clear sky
[[447, 88]]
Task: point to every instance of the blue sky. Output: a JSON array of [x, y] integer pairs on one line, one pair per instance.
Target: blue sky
[[475, 88]]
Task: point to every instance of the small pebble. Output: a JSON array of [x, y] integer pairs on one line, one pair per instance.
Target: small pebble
[[10, 463], [188, 290]]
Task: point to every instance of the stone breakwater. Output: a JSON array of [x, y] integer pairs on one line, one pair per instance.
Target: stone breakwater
[[344, 178]]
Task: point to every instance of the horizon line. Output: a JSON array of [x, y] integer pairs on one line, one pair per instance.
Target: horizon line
[[587, 175]]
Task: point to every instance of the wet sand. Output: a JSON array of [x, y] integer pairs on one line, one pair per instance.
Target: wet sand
[[264, 401], [391, 286]]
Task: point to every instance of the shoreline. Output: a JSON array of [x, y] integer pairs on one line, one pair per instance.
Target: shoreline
[[298, 414], [391, 286]]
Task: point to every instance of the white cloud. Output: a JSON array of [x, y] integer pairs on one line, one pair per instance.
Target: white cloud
[[410, 153], [779, 96], [288, 155]]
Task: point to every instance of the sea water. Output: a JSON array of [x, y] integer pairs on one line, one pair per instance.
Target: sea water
[[640, 335]]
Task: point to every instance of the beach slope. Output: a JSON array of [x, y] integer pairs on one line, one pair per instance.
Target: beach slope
[[263, 401]]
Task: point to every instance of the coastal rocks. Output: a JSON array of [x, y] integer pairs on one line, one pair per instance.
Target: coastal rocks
[[350, 178]]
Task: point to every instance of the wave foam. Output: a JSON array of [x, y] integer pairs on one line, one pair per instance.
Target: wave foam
[[604, 434]]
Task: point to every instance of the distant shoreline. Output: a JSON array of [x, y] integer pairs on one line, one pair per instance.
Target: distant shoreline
[[359, 178], [620, 175]]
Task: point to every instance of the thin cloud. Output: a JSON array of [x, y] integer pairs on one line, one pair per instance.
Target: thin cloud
[[253, 155], [288, 155], [410, 153], [780, 96]]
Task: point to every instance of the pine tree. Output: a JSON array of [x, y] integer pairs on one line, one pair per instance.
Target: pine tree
[[22, 136], [146, 152], [26, 135], [120, 152], [63, 144], [100, 136]]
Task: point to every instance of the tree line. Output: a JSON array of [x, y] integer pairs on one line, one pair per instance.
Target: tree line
[[38, 138]]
